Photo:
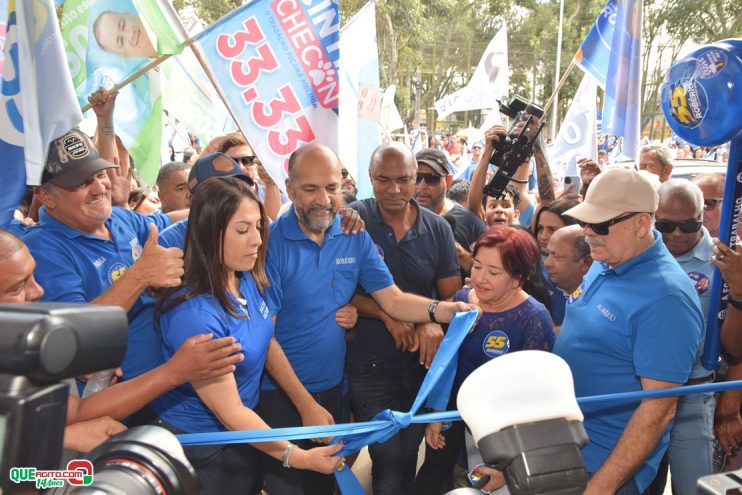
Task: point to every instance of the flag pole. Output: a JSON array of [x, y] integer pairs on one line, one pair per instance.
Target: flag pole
[[561, 83]]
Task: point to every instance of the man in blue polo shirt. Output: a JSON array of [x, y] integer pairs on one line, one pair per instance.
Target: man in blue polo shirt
[[87, 251], [386, 356], [680, 221], [634, 324], [314, 269]]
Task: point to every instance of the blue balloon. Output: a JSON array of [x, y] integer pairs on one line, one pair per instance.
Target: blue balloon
[[702, 94]]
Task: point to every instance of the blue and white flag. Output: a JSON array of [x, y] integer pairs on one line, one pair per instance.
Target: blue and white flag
[[595, 51], [360, 96], [37, 101], [622, 103], [276, 64]]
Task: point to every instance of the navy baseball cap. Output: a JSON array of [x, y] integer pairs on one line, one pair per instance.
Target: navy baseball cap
[[215, 165]]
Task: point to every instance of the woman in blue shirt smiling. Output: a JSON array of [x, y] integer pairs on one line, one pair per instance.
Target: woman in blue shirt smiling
[[222, 293]]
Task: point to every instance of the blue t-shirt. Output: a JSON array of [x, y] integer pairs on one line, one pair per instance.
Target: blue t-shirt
[[309, 283], [526, 326], [181, 407], [641, 319], [424, 255], [75, 267]]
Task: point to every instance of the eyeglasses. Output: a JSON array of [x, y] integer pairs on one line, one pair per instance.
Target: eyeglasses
[[602, 227], [687, 227], [344, 172], [476, 147], [710, 204], [246, 160], [430, 179]]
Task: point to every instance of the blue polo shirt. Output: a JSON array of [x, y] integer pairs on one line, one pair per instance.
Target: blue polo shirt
[[309, 283], [639, 319], [253, 328], [697, 264], [174, 236], [424, 255], [75, 267]]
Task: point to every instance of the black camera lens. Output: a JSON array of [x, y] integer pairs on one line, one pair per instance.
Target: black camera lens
[[147, 460]]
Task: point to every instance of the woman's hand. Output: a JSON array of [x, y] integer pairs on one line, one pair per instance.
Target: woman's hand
[[433, 436], [320, 459]]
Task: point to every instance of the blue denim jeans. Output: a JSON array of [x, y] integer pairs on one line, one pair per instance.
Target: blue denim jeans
[[691, 442], [389, 385]]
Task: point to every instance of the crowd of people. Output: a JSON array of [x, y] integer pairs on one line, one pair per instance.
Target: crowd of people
[[255, 306]]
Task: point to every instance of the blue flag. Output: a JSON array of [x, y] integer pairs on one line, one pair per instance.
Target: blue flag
[[595, 51], [37, 102], [622, 103]]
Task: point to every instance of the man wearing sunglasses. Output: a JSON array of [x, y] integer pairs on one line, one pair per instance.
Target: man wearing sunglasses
[[679, 219], [712, 186], [431, 183], [634, 324]]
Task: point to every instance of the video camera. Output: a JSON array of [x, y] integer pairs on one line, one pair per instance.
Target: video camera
[[41, 344], [516, 148]]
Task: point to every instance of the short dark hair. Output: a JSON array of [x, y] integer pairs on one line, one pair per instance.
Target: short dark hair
[[167, 171], [9, 245], [518, 250], [232, 139], [214, 204], [458, 191], [510, 191]]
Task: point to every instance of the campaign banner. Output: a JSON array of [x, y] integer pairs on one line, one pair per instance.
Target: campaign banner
[[3, 29], [106, 42], [275, 62], [37, 102], [577, 137]]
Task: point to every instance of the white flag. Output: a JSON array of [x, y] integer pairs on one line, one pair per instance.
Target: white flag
[[391, 120], [489, 82], [360, 96], [578, 133]]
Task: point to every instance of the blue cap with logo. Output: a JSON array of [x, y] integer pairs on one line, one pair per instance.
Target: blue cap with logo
[[215, 165]]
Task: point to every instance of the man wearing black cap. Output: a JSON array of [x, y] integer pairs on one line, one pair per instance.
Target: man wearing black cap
[[432, 182], [89, 252]]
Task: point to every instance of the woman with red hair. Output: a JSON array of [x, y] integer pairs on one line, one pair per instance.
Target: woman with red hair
[[504, 258]]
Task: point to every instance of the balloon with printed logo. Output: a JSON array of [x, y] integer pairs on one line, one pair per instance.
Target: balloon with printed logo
[[702, 94]]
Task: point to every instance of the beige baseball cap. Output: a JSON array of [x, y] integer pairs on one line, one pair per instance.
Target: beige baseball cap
[[614, 192]]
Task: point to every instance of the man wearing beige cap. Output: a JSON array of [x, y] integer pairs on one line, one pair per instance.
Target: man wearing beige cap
[[634, 324]]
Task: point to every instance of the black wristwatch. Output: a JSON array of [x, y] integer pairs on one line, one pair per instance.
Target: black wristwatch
[[737, 303], [431, 310]]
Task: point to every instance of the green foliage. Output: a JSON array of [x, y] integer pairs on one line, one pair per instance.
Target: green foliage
[[440, 42]]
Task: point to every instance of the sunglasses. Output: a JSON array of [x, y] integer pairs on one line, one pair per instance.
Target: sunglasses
[[344, 173], [687, 227], [430, 179], [246, 160], [603, 227], [710, 204]]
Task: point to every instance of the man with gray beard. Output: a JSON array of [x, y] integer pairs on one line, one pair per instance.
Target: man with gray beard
[[314, 269]]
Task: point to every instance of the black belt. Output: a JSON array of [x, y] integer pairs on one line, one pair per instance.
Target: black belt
[[702, 379]]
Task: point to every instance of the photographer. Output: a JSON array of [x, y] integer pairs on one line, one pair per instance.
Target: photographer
[[93, 419]]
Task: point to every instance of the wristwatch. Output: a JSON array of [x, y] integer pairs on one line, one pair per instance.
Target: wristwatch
[[431, 310], [737, 303]]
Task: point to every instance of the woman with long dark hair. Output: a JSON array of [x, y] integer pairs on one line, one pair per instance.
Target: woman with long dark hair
[[222, 292]]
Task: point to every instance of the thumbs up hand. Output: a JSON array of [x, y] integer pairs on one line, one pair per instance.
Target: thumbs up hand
[[159, 266]]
